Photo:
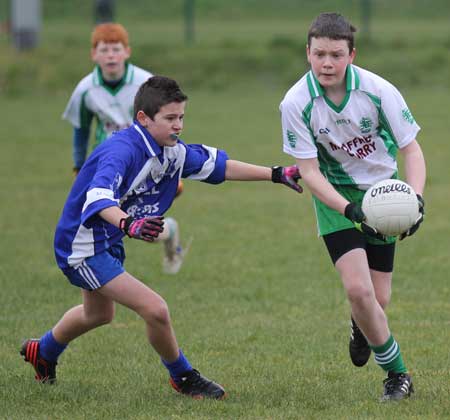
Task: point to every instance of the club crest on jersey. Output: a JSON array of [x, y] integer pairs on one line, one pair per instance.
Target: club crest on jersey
[[292, 138], [407, 116], [365, 125]]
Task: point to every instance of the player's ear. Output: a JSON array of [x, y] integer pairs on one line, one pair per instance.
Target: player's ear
[[142, 118], [93, 54], [352, 55], [127, 53], [308, 52]]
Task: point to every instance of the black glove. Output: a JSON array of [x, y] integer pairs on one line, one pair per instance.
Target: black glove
[[412, 230], [146, 229], [288, 176], [354, 213]]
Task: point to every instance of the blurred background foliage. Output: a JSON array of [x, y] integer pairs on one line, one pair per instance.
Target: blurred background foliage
[[237, 42]]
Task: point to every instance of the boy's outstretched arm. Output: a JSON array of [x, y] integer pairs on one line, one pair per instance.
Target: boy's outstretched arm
[[242, 171]]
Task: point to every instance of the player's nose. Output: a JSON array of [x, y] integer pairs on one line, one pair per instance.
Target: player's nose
[[178, 124]]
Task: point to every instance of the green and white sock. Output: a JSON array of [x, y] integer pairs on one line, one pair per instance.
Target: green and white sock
[[388, 356]]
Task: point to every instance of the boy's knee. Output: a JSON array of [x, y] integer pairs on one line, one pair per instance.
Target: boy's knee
[[360, 295], [384, 299], [158, 313], [101, 318]]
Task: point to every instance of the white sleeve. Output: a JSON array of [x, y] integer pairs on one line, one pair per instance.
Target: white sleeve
[[73, 109], [297, 136], [399, 118]]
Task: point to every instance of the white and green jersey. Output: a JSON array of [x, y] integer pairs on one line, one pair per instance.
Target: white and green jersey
[[112, 108], [356, 142]]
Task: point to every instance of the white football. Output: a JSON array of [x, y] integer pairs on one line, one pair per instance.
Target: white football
[[391, 207]]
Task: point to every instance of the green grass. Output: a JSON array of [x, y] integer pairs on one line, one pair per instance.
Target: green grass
[[257, 305], [248, 9], [228, 53]]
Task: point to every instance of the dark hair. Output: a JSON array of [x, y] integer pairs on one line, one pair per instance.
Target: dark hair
[[333, 26], [156, 92]]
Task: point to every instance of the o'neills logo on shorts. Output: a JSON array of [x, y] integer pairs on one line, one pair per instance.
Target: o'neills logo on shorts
[[386, 189]]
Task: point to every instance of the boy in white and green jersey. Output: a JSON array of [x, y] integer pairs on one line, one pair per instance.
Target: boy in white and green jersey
[[107, 94], [109, 102], [344, 126]]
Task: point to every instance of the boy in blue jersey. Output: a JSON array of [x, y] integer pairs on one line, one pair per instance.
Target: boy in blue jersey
[[106, 95], [124, 188]]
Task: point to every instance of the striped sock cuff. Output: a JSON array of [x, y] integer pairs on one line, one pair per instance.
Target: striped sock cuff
[[384, 347], [388, 356]]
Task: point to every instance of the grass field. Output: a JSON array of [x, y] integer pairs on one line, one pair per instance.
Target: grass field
[[257, 306]]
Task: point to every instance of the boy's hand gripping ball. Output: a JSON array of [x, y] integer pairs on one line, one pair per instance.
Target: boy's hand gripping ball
[[354, 213]]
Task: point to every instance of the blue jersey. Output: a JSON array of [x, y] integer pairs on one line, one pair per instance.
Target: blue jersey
[[132, 171]]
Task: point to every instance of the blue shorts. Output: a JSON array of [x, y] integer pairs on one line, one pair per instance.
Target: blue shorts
[[94, 272]]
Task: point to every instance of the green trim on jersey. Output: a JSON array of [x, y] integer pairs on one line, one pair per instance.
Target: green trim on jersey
[[100, 133], [315, 90], [351, 83], [127, 78], [329, 166], [341, 106], [306, 117], [384, 129], [85, 113], [351, 78], [332, 169]]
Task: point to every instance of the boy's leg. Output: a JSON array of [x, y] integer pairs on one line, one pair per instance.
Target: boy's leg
[[43, 353], [338, 244], [174, 253], [358, 346], [130, 292], [96, 310], [381, 263], [366, 311], [380, 258], [369, 315], [382, 283]]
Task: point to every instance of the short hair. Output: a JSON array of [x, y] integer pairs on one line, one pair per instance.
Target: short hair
[[156, 92], [109, 32], [333, 26]]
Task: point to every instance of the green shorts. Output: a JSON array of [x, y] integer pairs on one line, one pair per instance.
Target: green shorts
[[329, 220]]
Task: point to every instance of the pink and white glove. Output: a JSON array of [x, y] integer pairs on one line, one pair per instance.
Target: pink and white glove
[[146, 229], [288, 176]]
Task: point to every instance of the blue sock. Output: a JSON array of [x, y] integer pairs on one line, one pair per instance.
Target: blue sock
[[49, 348], [177, 368]]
